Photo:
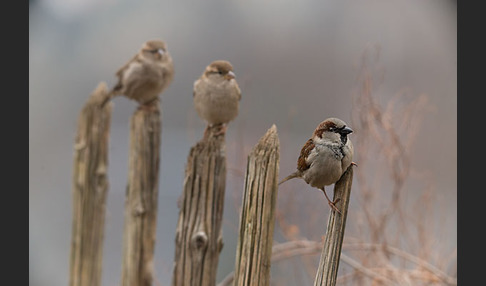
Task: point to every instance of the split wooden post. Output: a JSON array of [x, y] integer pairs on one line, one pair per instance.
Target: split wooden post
[[257, 219], [142, 196], [89, 189], [198, 235], [331, 252]]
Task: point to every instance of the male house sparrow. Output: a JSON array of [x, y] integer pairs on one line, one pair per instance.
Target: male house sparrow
[[147, 74], [217, 95], [325, 157]]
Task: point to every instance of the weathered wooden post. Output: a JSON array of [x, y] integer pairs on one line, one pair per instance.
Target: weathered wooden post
[[257, 219], [331, 252], [89, 189], [198, 235], [141, 196]]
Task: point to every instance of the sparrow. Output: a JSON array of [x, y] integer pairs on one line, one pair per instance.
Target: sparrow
[[146, 75], [217, 95], [325, 156]]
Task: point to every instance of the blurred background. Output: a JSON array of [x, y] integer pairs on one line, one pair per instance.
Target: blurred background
[[387, 68]]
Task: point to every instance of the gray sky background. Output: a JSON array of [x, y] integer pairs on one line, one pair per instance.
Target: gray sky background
[[296, 63]]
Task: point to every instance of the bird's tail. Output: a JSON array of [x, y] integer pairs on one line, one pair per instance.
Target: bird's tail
[[296, 174]]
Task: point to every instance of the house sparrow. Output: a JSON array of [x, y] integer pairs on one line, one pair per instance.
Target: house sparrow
[[147, 74], [325, 157], [217, 95]]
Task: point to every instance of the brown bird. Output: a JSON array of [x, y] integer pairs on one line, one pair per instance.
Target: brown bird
[[325, 156], [217, 94], [147, 74]]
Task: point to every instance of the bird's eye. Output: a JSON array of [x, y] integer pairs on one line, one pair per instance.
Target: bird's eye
[[332, 129], [220, 72]]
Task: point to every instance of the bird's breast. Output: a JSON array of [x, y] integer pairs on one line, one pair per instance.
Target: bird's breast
[[216, 103], [325, 166]]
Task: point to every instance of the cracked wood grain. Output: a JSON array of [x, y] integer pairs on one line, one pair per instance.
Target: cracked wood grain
[[198, 234], [257, 218], [89, 189], [331, 252], [141, 196]]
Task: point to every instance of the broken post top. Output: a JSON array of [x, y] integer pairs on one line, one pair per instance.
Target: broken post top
[[268, 141], [99, 95]]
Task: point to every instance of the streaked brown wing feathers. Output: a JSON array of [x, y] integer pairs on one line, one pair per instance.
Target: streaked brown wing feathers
[[304, 153]]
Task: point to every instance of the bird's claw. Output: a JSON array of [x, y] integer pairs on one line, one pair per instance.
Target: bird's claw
[[150, 106], [354, 164], [333, 205], [221, 130]]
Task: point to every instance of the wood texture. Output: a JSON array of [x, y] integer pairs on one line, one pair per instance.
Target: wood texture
[[89, 189], [141, 196], [331, 252], [257, 218], [198, 235]]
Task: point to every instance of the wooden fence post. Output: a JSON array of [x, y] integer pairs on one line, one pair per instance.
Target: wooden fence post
[[257, 219], [141, 196], [89, 189], [198, 235], [331, 252]]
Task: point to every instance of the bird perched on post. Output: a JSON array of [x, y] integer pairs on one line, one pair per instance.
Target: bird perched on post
[[217, 95], [146, 75], [325, 156]]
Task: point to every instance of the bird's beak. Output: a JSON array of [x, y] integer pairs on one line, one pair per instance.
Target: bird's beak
[[346, 130], [230, 75], [161, 52]]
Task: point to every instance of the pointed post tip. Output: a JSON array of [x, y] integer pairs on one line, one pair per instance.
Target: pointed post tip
[[99, 94], [270, 139]]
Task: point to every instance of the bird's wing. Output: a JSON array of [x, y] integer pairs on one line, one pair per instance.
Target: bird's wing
[[118, 87], [198, 89], [302, 163], [238, 90], [120, 71]]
